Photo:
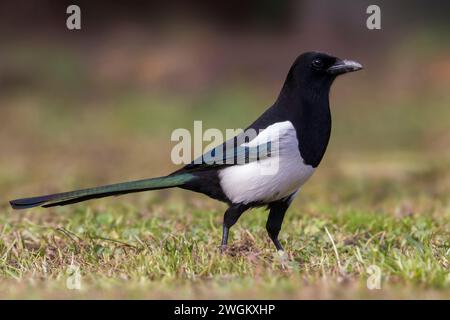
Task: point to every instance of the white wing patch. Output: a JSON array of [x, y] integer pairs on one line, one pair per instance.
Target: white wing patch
[[251, 182]]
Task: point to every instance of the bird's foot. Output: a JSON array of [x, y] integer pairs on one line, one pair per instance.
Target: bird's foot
[[278, 245], [223, 248]]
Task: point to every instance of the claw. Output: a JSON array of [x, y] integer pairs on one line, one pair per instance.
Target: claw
[[223, 249]]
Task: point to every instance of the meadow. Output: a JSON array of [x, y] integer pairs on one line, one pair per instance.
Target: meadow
[[380, 199]]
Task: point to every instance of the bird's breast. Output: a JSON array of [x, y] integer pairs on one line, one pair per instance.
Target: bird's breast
[[271, 178]]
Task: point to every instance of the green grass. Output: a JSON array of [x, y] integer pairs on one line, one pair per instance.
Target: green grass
[[163, 250]]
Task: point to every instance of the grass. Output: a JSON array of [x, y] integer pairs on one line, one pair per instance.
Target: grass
[[162, 250], [380, 198]]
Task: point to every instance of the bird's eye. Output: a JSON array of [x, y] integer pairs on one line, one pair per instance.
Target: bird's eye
[[317, 63]]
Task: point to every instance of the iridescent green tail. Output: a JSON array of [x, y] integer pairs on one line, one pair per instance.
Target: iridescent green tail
[[61, 199]]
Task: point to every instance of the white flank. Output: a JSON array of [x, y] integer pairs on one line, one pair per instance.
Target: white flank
[[248, 183]]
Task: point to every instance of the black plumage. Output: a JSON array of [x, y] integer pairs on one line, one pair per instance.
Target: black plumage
[[301, 113]]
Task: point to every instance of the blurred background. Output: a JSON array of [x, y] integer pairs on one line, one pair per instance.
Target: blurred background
[[98, 105]]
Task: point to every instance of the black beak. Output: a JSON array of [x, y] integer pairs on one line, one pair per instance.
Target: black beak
[[344, 66]]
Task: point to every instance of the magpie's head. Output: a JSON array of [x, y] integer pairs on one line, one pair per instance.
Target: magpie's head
[[320, 69]]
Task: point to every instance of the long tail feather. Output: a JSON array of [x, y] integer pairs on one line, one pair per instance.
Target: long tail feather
[[61, 199]]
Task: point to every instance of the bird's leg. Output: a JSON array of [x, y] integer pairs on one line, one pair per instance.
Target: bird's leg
[[230, 217], [275, 220]]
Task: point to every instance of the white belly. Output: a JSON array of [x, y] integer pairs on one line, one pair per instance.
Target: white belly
[[268, 179]]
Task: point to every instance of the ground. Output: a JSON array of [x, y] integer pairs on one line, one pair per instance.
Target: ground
[[378, 204]]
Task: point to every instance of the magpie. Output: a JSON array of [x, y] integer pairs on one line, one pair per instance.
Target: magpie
[[294, 132]]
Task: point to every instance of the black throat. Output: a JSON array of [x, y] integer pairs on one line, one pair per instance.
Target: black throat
[[307, 107]]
